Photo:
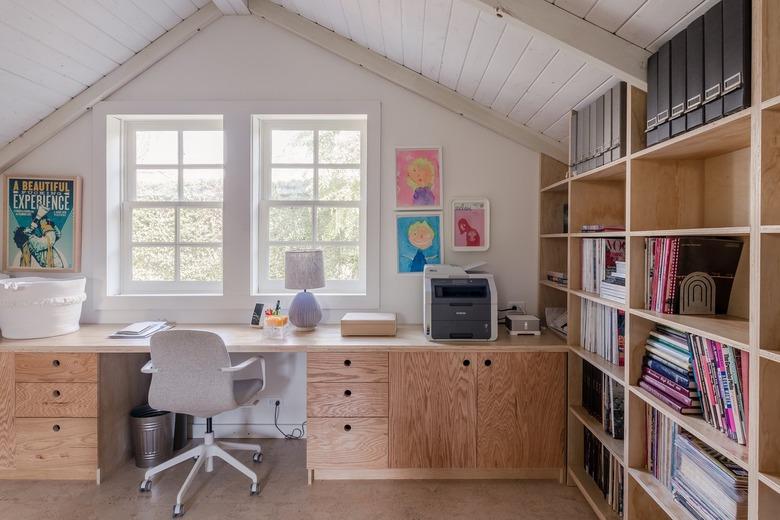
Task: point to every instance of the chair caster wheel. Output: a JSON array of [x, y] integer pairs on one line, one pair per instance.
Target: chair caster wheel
[[178, 510], [257, 457], [254, 489], [146, 486]]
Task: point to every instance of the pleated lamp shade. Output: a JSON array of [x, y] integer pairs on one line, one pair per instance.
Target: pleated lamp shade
[[304, 269]]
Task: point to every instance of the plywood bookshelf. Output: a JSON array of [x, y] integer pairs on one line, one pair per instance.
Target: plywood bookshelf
[[722, 179]]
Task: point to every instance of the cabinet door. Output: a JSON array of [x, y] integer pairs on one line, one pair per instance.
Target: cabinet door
[[521, 410], [433, 415]]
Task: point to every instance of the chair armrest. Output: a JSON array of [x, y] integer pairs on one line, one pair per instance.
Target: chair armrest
[[248, 362], [148, 368]]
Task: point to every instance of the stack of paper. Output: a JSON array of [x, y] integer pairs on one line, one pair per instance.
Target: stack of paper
[[142, 329]]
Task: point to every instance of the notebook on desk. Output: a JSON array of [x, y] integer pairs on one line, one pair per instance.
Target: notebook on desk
[[142, 329]]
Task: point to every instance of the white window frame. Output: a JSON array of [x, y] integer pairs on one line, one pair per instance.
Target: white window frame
[[265, 124], [128, 203]]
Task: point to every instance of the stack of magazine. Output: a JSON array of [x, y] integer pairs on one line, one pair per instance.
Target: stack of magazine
[[602, 331], [142, 329], [605, 469], [603, 398], [706, 483], [661, 432]]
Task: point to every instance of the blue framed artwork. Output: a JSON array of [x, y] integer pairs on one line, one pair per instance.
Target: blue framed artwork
[[418, 241]]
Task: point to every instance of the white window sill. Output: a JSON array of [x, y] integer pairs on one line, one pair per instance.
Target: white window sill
[[241, 303]]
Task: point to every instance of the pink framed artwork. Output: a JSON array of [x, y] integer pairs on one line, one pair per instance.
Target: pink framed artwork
[[470, 224], [418, 178]]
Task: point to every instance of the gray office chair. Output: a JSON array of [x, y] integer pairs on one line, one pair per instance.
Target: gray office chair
[[192, 374]]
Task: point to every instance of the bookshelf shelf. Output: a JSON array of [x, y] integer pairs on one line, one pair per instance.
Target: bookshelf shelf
[[718, 231], [553, 285], [662, 496], [699, 428], [555, 235], [598, 299], [561, 185], [612, 171], [616, 372], [615, 446], [771, 355], [771, 104], [720, 137], [771, 481], [592, 494], [770, 230], [731, 330]]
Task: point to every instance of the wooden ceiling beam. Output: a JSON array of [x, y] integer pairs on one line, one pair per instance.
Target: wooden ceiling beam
[[573, 34], [407, 78]]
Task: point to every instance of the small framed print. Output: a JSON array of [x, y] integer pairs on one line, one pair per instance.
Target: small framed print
[[470, 224], [418, 178], [418, 241]]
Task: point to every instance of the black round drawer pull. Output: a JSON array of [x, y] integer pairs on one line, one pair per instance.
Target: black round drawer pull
[[347, 427], [56, 428], [347, 362], [488, 362], [56, 393], [55, 363], [347, 393], [466, 362]]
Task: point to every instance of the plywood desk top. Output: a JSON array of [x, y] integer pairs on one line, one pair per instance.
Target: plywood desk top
[[242, 338]]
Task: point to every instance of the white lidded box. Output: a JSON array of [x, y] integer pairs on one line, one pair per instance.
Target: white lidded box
[[34, 307]]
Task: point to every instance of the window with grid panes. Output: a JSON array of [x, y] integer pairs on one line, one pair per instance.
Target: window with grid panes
[[172, 205], [313, 180]]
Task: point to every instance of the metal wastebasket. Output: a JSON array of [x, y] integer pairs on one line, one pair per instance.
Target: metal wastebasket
[[152, 435]]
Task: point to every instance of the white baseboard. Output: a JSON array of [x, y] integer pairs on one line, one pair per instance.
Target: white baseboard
[[244, 431]]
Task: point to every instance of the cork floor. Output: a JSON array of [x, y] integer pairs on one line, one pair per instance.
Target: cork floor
[[224, 494]]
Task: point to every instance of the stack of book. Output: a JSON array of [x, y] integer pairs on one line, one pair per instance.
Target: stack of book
[[600, 228], [661, 432], [613, 287], [559, 278], [603, 398], [668, 261], [706, 483], [602, 331], [667, 370], [721, 373], [599, 259], [605, 470]]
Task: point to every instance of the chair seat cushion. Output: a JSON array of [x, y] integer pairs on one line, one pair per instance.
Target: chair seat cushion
[[245, 390]]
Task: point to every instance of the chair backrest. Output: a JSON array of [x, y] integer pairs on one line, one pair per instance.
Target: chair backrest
[[188, 378]]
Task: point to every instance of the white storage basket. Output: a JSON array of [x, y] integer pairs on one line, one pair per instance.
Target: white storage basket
[[33, 307]]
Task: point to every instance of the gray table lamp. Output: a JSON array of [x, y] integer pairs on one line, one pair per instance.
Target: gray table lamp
[[304, 270]]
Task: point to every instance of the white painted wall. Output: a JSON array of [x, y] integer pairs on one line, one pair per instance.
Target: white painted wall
[[243, 58]]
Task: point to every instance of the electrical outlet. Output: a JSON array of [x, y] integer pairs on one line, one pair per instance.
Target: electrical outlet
[[270, 402], [519, 304]]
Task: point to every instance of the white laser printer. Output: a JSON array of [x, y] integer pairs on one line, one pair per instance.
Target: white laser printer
[[458, 304]]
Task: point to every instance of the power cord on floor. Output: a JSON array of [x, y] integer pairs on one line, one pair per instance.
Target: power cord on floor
[[296, 433]]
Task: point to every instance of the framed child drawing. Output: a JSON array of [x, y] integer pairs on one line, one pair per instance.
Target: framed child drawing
[[42, 230], [470, 224], [418, 241], [418, 179]]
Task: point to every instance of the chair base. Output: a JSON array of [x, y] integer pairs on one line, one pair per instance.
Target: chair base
[[204, 455]]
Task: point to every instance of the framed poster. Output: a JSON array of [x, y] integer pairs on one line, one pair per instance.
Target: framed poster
[[418, 179], [42, 230], [470, 224], [418, 241]]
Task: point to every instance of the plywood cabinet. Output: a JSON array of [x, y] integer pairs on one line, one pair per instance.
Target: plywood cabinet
[[521, 410], [477, 410], [433, 410]]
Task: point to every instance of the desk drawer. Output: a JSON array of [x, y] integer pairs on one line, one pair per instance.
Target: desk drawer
[[347, 443], [57, 448], [56, 367], [347, 399], [56, 399], [335, 367]]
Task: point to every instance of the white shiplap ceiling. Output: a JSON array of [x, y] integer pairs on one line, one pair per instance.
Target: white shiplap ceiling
[[50, 50], [526, 78]]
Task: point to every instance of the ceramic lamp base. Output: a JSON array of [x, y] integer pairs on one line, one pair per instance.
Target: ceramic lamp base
[[305, 311]]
